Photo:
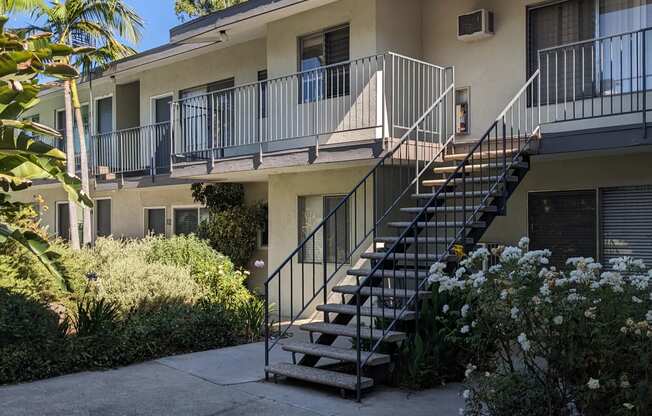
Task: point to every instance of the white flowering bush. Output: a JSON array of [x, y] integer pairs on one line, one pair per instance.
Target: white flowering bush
[[576, 341]]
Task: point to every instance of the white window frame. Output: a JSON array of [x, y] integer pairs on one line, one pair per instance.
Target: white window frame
[[176, 207], [102, 198], [152, 106], [165, 210]]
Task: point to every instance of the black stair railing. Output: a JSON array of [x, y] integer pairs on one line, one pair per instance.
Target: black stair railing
[[453, 214], [350, 226]]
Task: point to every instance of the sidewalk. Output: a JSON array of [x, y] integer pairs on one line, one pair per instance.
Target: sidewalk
[[218, 382]]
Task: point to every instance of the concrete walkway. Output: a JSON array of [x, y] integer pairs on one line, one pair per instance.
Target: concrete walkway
[[219, 382]]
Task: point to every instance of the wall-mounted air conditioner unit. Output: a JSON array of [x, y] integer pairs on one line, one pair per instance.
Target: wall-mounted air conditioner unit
[[475, 25]]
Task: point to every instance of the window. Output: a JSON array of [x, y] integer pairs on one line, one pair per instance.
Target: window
[[312, 210], [590, 68], [154, 221], [104, 115], [63, 221], [327, 48], [564, 222], [626, 223], [187, 220], [103, 217]]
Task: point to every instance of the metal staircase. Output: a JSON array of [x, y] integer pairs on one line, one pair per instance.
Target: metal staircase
[[429, 197]]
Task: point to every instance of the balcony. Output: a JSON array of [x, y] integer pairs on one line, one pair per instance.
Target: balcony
[[372, 98]]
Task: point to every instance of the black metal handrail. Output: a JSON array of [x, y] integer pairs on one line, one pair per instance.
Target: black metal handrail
[[414, 148], [521, 136], [603, 76]]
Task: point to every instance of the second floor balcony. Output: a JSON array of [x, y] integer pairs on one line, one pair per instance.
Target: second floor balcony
[[377, 98]]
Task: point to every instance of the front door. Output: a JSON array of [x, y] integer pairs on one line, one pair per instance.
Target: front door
[[161, 132]]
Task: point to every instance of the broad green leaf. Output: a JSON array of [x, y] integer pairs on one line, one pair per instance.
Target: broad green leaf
[[61, 70], [39, 247], [7, 64]]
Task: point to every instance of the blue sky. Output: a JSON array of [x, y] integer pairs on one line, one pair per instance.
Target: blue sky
[[158, 15]]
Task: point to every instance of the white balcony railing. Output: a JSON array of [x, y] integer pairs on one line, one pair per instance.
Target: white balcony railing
[[374, 97], [134, 150]]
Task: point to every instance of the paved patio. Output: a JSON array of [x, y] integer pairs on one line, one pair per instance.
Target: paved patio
[[219, 382]]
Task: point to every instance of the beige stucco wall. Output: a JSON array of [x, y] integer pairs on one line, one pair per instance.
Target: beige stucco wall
[[569, 172], [284, 191], [494, 68]]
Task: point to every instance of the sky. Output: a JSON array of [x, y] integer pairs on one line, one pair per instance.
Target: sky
[[158, 16]]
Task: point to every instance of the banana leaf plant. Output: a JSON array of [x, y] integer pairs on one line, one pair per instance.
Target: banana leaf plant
[[24, 60]]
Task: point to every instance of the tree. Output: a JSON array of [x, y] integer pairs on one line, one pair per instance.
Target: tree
[[10, 6], [189, 9], [23, 158], [84, 24]]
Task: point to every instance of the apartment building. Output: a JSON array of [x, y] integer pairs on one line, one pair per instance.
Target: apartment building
[[384, 136]]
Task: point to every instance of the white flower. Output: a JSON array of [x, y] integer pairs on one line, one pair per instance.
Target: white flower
[[511, 253], [461, 412], [523, 342], [465, 310], [514, 312], [474, 324], [503, 294], [445, 309], [590, 313], [469, 370], [524, 243], [593, 384], [558, 320], [465, 329], [636, 300], [628, 406], [466, 394], [648, 316], [259, 264], [460, 272], [544, 290]]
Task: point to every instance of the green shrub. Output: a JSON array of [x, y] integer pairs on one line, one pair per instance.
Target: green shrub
[[132, 301], [214, 272], [218, 196], [232, 228], [233, 232], [26, 320]]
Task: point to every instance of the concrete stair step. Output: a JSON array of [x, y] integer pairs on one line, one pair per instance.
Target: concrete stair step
[[457, 194], [380, 292], [468, 180], [401, 256], [376, 312], [479, 167], [350, 331], [319, 376], [348, 355], [400, 274], [432, 224], [442, 209], [483, 154]]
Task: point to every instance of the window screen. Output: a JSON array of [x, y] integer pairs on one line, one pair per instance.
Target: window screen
[[564, 222], [570, 73], [312, 210], [186, 220], [155, 221], [327, 48], [63, 221], [103, 217]]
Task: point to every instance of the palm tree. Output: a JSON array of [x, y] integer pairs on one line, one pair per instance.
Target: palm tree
[[102, 23], [10, 6]]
